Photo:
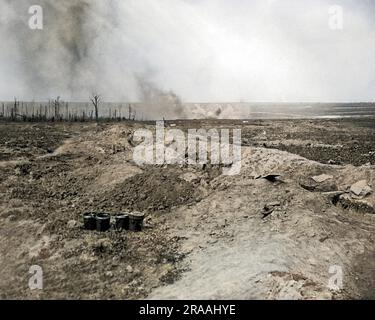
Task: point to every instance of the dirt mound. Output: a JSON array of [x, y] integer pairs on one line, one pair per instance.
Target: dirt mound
[[154, 189]]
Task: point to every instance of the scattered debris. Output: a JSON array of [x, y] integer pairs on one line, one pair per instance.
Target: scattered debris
[[71, 224], [322, 178], [361, 189], [271, 177], [323, 239], [334, 196], [130, 139], [348, 203], [266, 211], [269, 208], [313, 186], [190, 177], [129, 269], [275, 204], [102, 246]]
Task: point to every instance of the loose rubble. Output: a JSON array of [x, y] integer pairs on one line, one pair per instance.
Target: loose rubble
[[361, 189]]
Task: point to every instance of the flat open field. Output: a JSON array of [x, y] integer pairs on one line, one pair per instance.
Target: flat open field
[[205, 236]]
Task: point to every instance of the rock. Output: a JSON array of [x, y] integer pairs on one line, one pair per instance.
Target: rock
[[109, 274], [347, 202], [333, 197], [271, 177], [190, 177], [12, 217], [102, 245], [361, 189], [313, 186], [71, 224], [322, 178], [129, 269], [267, 211], [148, 225], [274, 204], [324, 238]]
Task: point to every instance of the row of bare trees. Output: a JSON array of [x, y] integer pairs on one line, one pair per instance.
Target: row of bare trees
[[58, 110]]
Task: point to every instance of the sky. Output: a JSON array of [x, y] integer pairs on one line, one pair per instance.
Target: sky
[[202, 50]]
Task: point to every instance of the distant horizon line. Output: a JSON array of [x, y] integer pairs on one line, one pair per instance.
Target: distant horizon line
[[201, 102]]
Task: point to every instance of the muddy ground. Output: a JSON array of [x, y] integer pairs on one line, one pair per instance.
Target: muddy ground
[[205, 234]]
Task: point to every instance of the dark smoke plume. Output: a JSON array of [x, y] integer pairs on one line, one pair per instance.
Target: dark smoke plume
[[204, 51], [57, 57]]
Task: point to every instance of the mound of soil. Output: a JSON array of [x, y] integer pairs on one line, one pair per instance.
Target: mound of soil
[[153, 190]]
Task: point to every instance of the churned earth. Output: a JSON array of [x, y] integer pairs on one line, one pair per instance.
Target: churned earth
[[206, 235]]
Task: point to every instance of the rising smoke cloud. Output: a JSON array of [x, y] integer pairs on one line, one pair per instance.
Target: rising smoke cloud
[[206, 50]]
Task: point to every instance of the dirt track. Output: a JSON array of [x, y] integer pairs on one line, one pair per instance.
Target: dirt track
[[205, 235]]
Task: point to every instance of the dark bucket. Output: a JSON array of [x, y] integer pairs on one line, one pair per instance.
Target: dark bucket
[[89, 221], [122, 221], [103, 222], [136, 221]]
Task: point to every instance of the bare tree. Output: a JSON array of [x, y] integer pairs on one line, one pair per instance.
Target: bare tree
[[14, 110], [95, 99], [56, 103], [129, 111]]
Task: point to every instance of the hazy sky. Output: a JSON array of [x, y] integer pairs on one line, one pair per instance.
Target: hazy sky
[[203, 50]]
